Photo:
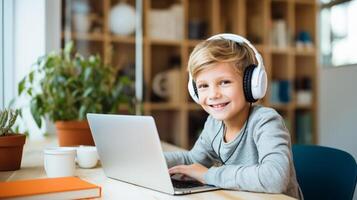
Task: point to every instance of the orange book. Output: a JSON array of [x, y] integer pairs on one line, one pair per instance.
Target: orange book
[[49, 188]]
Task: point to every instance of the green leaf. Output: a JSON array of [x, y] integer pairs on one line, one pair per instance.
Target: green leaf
[[68, 48], [21, 86], [87, 73], [29, 91], [82, 112], [34, 111], [88, 91], [31, 77]]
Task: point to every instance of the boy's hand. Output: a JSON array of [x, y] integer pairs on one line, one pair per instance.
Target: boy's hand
[[196, 171]]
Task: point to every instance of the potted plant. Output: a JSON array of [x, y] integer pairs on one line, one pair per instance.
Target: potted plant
[[11, 144], [64, 86]]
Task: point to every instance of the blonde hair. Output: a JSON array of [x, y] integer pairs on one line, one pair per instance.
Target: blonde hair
[[210, 52]]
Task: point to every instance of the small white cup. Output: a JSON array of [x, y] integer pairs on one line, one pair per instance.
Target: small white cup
[[87, 156], [59, 161]]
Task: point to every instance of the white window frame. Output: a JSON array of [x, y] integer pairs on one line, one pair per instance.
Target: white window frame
[[1, 55], [7, 82], [328, 4]]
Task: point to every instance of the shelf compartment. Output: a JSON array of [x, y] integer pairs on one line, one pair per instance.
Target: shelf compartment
[[165, 20], [165, 74], [196, 121], [305, 80], [123, 56], [86, 17], [282, 82], [168, 126], [304, 122], [200, 19], [280, 20], [230, 17], [255, 21], [305, 25]]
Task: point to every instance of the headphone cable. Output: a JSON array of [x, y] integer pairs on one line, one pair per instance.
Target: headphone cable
[[224, 129]]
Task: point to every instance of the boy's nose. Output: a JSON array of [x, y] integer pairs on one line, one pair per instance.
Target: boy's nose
[[214, 93]]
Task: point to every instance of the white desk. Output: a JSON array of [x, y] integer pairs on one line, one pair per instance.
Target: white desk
[[32, 167]]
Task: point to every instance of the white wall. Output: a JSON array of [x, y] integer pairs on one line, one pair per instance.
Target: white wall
[[338, 109], [36, 32]]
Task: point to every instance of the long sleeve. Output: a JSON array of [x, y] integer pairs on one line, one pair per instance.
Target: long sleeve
[[271, 172]]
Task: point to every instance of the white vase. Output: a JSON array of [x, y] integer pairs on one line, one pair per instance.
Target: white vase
[[122, 19], [81, 22]]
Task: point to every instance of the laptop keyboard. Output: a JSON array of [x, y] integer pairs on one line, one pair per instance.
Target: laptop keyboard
[[186, 184]]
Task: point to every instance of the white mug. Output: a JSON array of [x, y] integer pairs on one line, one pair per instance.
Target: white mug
[[59, 161], [87, 156]]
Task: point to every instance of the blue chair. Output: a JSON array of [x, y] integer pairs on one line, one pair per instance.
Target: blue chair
[[324, 173]]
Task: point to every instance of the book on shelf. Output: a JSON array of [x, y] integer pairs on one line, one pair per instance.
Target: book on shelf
[[49, 188], [304, 127], [279, 33], [281, 91]]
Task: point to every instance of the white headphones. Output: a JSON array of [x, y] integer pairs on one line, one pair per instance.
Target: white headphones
[[254, 79]]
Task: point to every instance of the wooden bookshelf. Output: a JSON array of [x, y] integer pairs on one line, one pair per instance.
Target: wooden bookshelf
[[179, 122]]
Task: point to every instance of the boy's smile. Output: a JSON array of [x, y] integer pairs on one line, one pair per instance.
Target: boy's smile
[[220, 92]]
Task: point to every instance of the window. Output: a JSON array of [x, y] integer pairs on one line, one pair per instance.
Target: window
[[338, 32], [1, 54]]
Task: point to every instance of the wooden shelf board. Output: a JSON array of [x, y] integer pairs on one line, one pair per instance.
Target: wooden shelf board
[[282, 106], [280, 50], [162, 106], [193, 43], [303, 107], [261, 48], [194, 107], [85, 36], [307, 2], [165, 42], [305, 52], [123, 39]]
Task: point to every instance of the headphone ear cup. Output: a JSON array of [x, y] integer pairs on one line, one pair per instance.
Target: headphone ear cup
[[192, 89], [195, 88], [247, 83]]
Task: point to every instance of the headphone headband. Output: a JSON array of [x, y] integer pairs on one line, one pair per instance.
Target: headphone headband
[[241, 40]]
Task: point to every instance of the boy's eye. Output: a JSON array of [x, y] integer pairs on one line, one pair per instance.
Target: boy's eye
[[225, 82], [201, 86]]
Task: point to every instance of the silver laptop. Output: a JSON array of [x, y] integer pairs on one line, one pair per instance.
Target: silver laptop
[[129, 149]]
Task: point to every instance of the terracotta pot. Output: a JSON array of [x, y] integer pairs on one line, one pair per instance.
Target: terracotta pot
[[11, 147], [74, 133]]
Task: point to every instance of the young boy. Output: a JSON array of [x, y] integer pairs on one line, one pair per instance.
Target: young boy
[[241, 147]]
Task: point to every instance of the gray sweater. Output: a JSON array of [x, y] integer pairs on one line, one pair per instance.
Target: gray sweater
[[262, 161]]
